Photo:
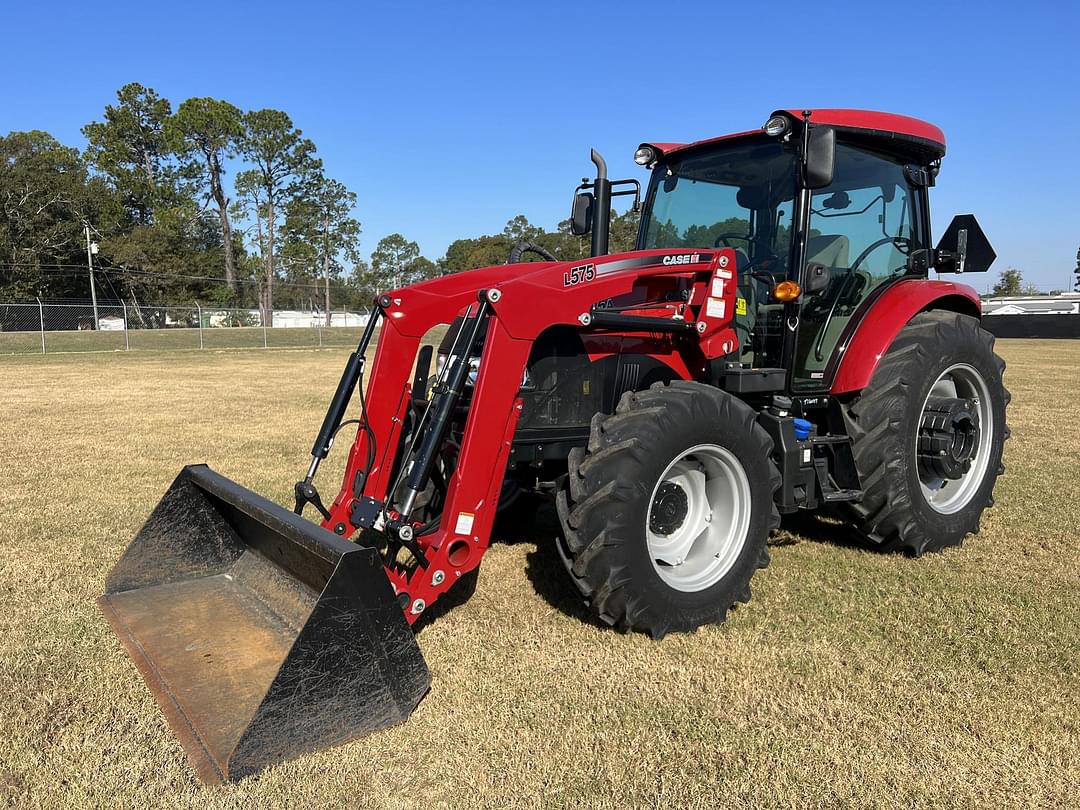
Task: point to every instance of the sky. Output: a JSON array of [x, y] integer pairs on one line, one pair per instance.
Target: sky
[[447, 119]]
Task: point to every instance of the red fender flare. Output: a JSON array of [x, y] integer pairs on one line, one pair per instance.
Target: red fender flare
[[887, 316]]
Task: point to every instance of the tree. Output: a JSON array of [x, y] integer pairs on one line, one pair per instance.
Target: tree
[[396, 262], [281, 159], [162, 231], [421, 268], [485, 251], [167, 255], [1009, 284], [361, 280], [46, 200], [205, 132], [1076, 284], [622, 234], [131, 149], [468, 254], [519, 229], [320, 229]]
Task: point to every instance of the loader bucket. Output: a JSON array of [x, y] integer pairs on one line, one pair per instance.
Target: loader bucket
[[262, 636]]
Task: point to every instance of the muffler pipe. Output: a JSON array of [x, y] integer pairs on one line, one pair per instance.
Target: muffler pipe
[[601, 221]]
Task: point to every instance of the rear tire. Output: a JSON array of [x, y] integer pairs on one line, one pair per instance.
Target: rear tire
[[666, 514], [907, 506]]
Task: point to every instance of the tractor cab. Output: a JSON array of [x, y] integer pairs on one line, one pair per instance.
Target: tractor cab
[[834, 201]]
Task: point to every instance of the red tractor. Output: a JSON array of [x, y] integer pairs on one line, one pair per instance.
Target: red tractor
[[773, 344]]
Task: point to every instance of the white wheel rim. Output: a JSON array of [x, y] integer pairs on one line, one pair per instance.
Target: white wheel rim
[[695, 552], [948, 496]]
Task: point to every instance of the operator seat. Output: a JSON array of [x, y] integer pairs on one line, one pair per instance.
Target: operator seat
[[830, 250]]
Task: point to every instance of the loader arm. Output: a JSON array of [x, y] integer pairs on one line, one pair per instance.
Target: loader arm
[[519, 302]]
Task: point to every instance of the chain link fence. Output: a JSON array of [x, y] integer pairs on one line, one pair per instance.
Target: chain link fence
[[40, 328]]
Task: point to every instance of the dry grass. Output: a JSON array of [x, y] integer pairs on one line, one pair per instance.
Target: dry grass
[[852, 679]]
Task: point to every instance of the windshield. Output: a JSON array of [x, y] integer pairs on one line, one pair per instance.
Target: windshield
[[738, 196]]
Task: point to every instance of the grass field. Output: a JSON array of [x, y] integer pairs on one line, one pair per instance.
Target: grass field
[[851, 679]]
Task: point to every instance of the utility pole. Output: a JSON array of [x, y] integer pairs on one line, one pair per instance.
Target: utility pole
[[91, 249], [326, 262]]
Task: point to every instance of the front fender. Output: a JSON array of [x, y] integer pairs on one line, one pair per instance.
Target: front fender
[[859, 357]]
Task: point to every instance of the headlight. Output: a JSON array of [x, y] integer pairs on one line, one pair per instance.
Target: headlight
[[474, 369], [645, 155], [777, 125]]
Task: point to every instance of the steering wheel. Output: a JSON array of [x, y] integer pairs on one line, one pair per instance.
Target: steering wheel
[[888, 240], [726, 237], [765, 263], [818, 305]]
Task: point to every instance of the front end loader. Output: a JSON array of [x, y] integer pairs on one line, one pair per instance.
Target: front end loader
[[774, 344]]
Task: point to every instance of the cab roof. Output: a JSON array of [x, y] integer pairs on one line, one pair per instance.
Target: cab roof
[[912, 134]]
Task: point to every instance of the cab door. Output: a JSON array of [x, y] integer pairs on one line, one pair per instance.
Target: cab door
[[861, 229]]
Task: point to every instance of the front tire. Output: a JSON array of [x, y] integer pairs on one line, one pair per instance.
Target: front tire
[[928, 434], [667, 513]]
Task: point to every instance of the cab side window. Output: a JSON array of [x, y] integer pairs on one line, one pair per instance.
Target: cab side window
[[862, 228]]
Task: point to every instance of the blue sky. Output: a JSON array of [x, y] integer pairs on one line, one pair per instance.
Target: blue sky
[[448, 119]]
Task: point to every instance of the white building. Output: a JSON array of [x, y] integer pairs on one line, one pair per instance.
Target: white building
[[1061, 304], [284, 319]]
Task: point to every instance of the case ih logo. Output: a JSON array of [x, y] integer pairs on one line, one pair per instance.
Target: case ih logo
[[682, 258]]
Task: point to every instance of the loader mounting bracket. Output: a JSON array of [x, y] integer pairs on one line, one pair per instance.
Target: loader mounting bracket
[[365, 511]]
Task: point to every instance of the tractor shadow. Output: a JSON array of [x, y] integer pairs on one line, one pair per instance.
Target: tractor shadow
[[816, 528], [549, 578], [543, 566]]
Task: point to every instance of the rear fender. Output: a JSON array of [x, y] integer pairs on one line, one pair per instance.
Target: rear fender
[[858, 358]]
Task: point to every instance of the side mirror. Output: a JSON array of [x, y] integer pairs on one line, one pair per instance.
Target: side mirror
[[581, 214], [964, 247], [816, 278], [820, 158]]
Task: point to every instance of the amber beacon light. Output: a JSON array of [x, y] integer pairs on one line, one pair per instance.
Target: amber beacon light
[[786, 291]]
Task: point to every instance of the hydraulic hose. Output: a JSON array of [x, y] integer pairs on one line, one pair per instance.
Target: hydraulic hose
[[523, 247], [442, 409]]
